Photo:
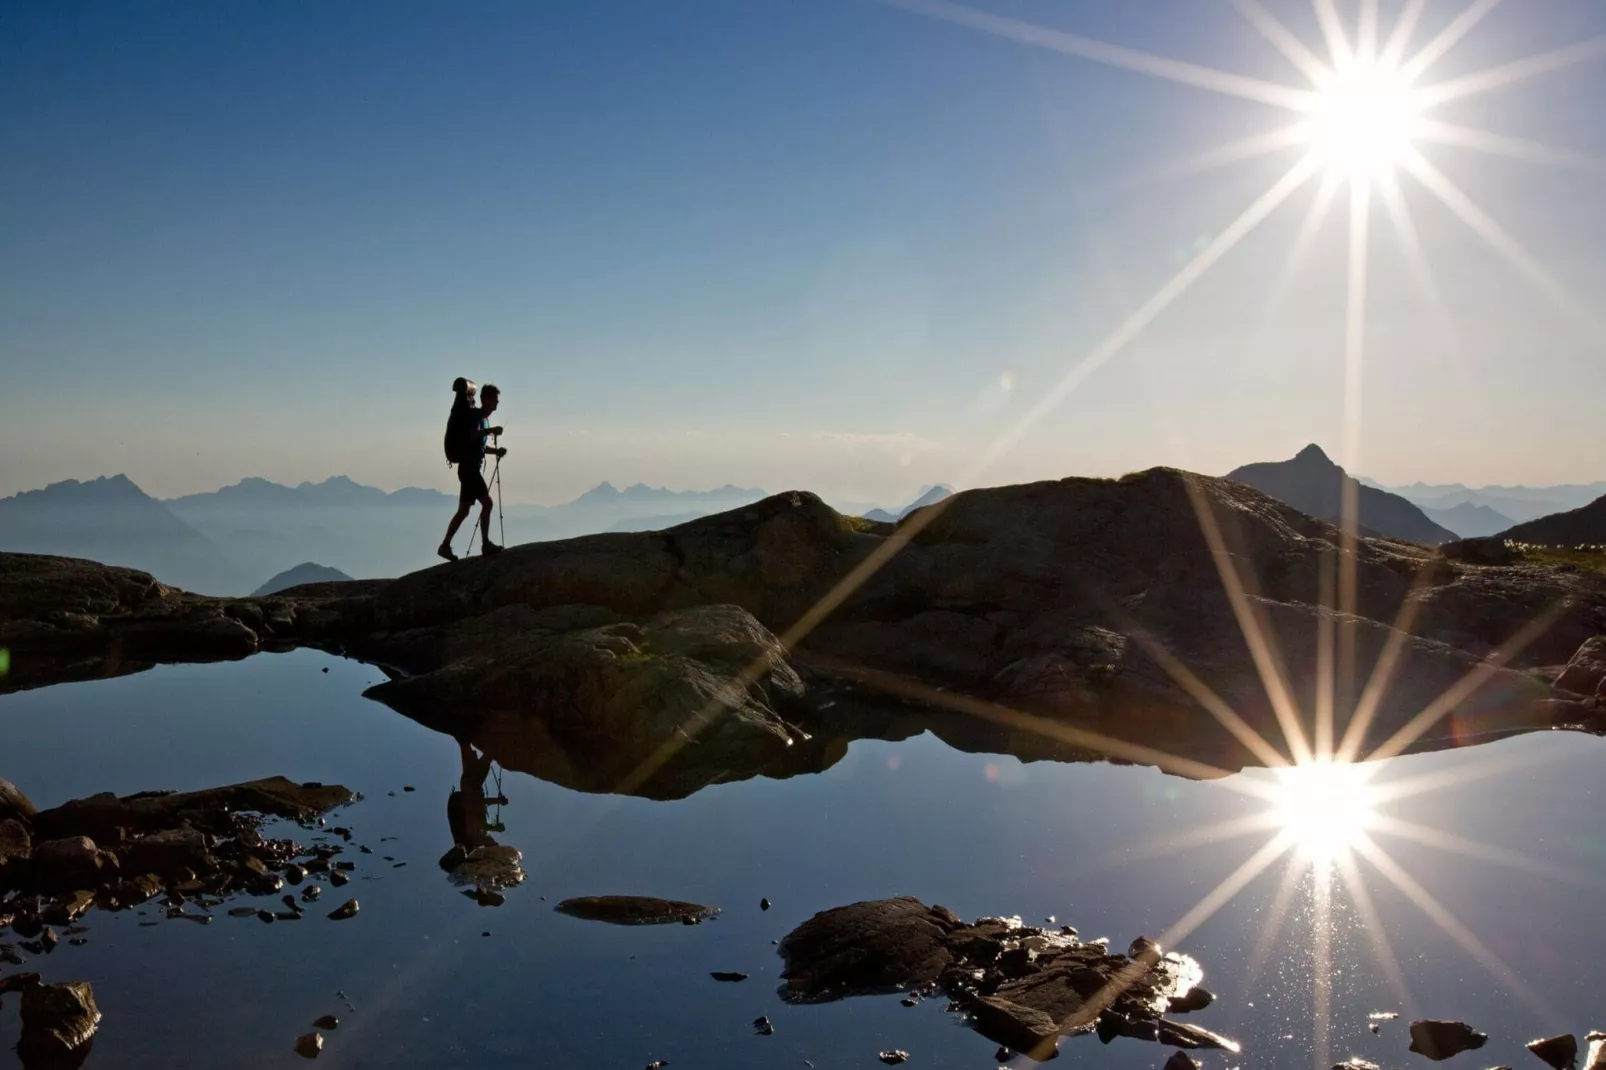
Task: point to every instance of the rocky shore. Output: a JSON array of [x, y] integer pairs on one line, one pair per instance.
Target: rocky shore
[[1075, 619]]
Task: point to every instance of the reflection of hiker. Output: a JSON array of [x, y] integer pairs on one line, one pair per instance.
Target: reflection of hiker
[[466, 431], [467, 807]]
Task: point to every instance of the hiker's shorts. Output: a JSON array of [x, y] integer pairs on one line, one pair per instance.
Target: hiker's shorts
[[471, 484]]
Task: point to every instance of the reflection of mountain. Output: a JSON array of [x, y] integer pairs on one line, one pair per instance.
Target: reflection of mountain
[[1468, 520], [112, 521], [1314, 485], [1586, 526], [295, 577]]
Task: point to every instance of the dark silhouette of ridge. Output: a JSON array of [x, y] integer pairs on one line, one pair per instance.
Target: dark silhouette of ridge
[[1468, 520], [1314, 485], [1578, 527], [927, 496]]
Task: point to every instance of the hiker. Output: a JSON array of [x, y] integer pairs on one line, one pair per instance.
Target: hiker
[[466, 431]]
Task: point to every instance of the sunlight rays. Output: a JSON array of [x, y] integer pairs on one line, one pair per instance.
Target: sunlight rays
[[1280, 38], [1517, 71], [1466, 137], [1400, 37], [1437, 48], [1070, 44]]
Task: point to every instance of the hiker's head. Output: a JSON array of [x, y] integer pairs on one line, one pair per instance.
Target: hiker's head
[[489, 397], [463, 388]]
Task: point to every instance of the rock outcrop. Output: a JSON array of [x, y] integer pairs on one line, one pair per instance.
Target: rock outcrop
[[1585, 674], [1020, 986], [1070, 619]]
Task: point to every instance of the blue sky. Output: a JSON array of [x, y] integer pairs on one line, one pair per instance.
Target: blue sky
[[831, 244]]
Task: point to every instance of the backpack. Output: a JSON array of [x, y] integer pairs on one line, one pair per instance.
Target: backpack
[[460, 426]]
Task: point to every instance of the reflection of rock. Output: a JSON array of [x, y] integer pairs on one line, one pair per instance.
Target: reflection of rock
[[1023, 987], [633, 909], [492, 868], [1438, 1039], [58, 1022], [1586, 672]]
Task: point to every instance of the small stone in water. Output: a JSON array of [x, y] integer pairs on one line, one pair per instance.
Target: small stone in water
[[763, 904], [1559, 1051], [409, 787], [328, 1021], [910, 1001], [345, 910], [308, 1045], [338, 878], [763, 1027], [310, 893], [727, 975], [893, 1057], [242, 912], [265, 915], [658, 1064]]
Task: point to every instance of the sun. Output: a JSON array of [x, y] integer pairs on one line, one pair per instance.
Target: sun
[[1364, 119], [1324, 807]]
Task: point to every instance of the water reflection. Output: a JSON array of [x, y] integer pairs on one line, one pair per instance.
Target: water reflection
[[1324, 808]]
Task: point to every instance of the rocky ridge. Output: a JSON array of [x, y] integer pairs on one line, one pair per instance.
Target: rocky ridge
[[1071, 619]]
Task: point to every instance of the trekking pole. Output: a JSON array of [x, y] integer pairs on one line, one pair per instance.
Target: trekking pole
[[501, 521]]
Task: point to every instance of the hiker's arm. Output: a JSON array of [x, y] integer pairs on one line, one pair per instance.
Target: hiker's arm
[[494, 431]]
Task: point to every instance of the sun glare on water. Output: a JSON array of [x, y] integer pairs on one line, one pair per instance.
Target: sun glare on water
[[1324, 808], [1364, 119]]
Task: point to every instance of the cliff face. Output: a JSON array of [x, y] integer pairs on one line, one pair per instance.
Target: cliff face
[[1060, 619]]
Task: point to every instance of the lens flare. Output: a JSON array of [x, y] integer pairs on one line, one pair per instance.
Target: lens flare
[[1324, 807], [1365, 120]]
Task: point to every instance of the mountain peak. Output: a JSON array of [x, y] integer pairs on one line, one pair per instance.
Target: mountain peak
[[1312, 453]]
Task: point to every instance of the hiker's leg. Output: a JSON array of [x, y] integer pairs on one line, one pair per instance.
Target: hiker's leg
[[485, 519], [457, 522]]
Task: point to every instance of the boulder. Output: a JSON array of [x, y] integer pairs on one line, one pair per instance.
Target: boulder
[[14, 805], [877, 946], [58, 1022], [15, 843], [69, 863], [1438, 1039], [1585, 674], [1560, 1051]]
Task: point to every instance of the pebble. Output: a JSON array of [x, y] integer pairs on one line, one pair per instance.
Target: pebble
[[894, 1057], [308, 1045], [337, 878], [763, 1026], [328, 1021], [727, 975], [763, 904], [345, 910]]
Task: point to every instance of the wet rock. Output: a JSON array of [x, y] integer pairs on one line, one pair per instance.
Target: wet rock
[[1438, 1039], [345, 910], [48, 939], [310, 893], [727, 975], [763, 1026], [1559, 1051], [14, 805], [1355, 1062], [633, 909], [491, 866], [69, 908], [328, 1021], [295, 874], [485, 897], [1024, 1029], [266, 916], [763, 904], [58, 1021], [868, 947], [309, 1045], [18, 982], [337, 878], [1181, 1060], [242, 912], [1195, 999], [1184, 1035], [658, 1064], [1595, 1059], [893, 1057], [99, 816]]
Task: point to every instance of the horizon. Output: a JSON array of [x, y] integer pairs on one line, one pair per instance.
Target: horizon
[[248, 240]]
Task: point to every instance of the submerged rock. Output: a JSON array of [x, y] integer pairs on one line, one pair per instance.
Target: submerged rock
[[633, 910], [309, 1045], [1438, 1039], [1559, 1051]]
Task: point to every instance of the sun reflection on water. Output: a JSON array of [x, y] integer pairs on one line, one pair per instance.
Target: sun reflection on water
[[1324, 807]]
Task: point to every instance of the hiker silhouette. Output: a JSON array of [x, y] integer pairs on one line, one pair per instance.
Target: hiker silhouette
[[467, 427]]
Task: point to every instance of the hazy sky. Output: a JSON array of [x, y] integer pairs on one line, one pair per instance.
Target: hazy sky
[[831, 244]]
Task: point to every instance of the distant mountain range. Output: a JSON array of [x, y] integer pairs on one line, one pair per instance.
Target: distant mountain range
[[225, 541], [112, 521], [1519, 503], [927, 495], [1314, 485], [1468, 520], [1579, 527], [307, 572]]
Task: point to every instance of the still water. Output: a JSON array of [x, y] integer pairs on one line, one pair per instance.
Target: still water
[[1509, 939]]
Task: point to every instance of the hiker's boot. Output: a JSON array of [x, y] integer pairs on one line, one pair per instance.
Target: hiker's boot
[[490, 547], [445, 550]]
